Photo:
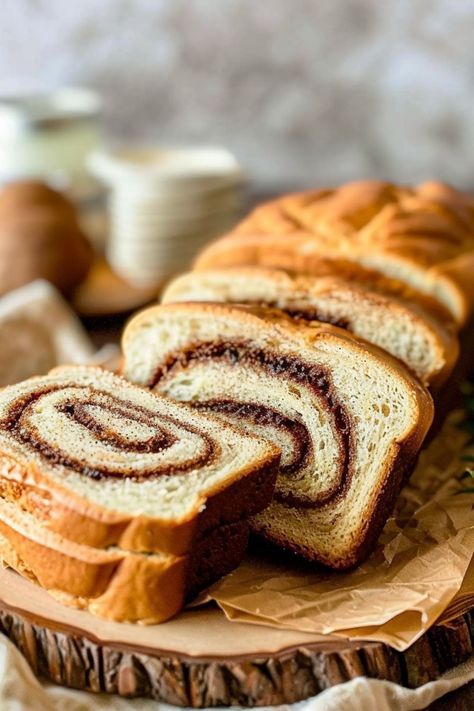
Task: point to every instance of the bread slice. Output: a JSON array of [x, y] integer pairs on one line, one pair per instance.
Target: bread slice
[[112, 583], [406, 330], [349, 418], [422, 236], [105, 463]]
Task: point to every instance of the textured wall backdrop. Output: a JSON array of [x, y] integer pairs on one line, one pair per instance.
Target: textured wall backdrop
[[304, 91]]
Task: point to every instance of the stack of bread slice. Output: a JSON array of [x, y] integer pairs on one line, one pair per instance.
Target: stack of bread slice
[[329, 314], [119, 501]]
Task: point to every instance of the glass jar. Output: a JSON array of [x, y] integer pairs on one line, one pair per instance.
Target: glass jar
[[49, 137]]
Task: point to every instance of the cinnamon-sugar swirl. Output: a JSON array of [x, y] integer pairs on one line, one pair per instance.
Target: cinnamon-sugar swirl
[[412, 329]]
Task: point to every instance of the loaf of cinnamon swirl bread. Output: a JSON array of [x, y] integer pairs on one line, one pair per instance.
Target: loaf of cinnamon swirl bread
[[404, 327], [422, 236], [121, 501], [349, 418]]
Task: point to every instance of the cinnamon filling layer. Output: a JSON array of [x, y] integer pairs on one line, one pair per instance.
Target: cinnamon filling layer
[[84, 410], [314, 377], [261, 415], [314, 315], [309, 314], [80, 412]]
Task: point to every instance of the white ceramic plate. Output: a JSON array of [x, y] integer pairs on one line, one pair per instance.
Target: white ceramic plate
[[167, 170]]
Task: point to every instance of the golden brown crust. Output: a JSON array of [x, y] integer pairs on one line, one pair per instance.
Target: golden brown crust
[[362, 277], [422, 228], [303, 254], [307, 334], [115, 584]]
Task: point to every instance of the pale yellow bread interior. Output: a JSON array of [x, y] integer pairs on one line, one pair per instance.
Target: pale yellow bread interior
[[408, 331]]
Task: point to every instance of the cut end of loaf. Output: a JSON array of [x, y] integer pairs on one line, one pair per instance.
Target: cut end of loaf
[[348, 417]]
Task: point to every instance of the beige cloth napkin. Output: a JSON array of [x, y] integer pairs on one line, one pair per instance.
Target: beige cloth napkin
[[39, 330], [21, 691]]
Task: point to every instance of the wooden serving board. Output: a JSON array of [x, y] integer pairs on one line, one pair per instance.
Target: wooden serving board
[[201, 659]]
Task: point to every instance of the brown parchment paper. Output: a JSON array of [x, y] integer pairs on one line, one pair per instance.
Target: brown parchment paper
[[421, 569]]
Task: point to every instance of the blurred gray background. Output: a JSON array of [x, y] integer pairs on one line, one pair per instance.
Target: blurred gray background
[[304, 91]]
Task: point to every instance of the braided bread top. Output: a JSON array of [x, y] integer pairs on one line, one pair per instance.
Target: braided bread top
[[421, 236], [375, 214]]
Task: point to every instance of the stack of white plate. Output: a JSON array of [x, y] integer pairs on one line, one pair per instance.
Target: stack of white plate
[[164, 206]]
